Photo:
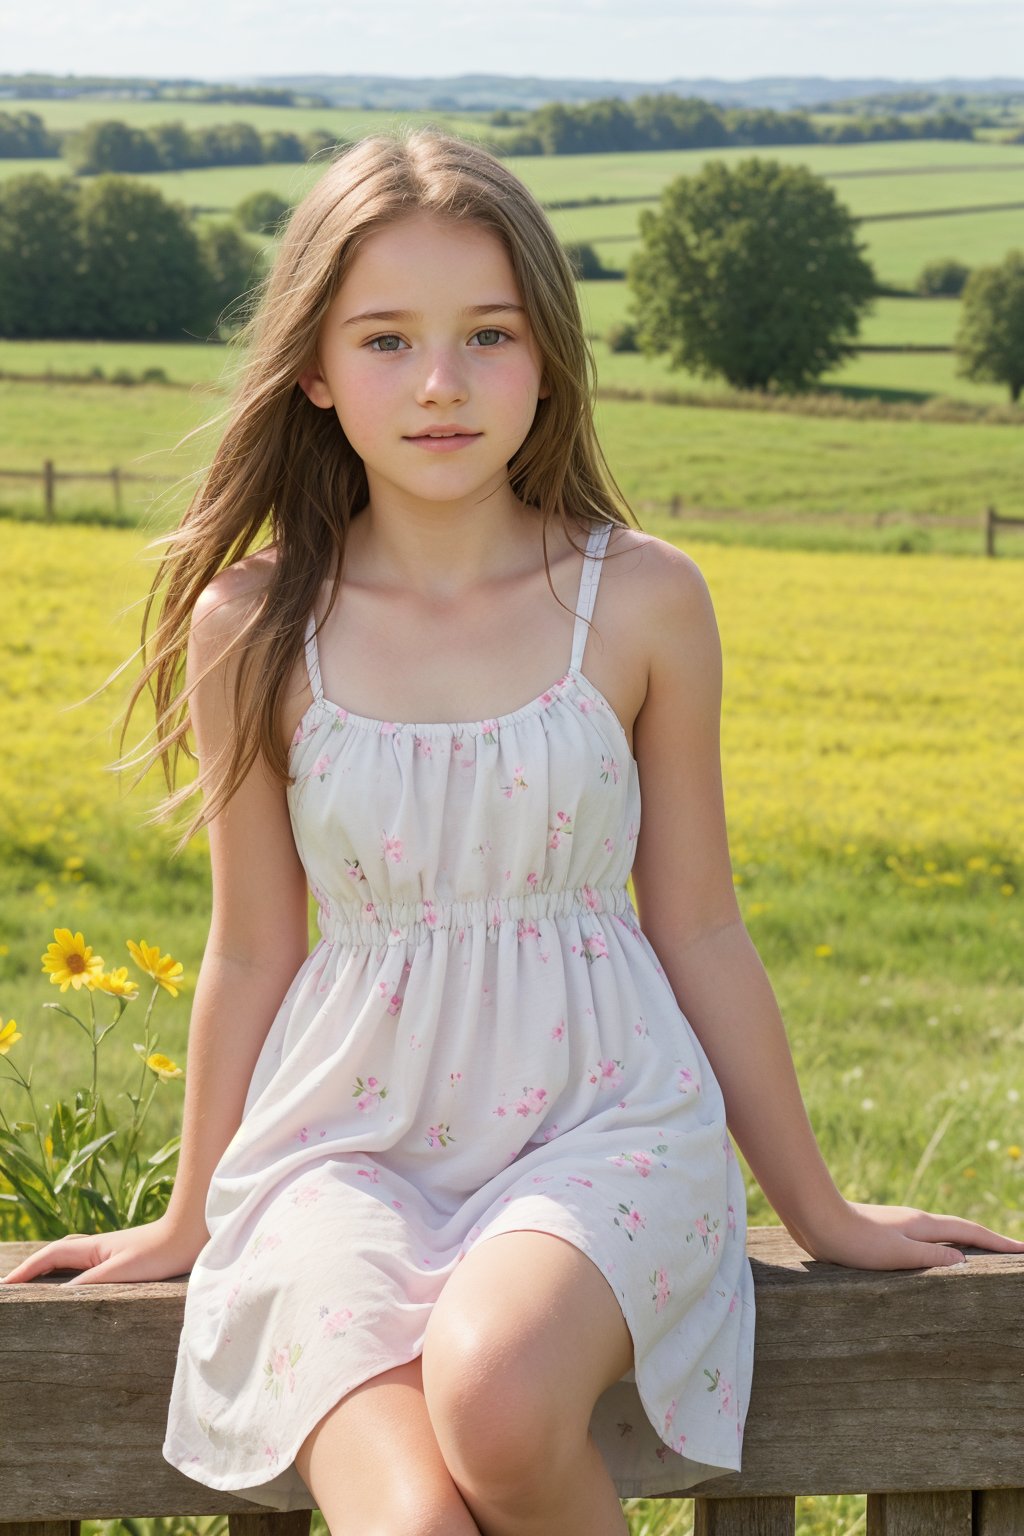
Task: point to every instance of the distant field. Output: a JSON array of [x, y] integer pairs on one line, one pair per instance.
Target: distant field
[[894, 322], [770, 478], [347, 122]]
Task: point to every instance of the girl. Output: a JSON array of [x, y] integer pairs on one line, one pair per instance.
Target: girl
[[463, 1220]]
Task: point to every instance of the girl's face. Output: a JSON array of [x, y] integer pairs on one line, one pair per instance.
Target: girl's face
[[426, 332]]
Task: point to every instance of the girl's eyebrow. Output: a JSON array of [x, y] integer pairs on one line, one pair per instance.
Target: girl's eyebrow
[[503, 306]]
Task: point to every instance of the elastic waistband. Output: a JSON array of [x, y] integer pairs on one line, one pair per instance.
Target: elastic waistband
[[399, 922]]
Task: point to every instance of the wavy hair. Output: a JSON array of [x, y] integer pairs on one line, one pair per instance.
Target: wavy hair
[[283, 471]]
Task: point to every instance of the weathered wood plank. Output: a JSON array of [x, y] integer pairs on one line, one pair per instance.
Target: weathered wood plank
[[999, 1511], [919, 1514], [744, 1517], [295, 1523], [40, 1527], [864, 1380]]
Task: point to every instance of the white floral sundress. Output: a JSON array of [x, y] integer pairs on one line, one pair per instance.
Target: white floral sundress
[[482, 1041]]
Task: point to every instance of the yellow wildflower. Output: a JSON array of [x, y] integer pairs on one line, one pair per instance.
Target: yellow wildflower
[[161, 967], [70, 961], [823, 949], [8, 1035], [1013, 1151], [116, 982], [163, 1066]]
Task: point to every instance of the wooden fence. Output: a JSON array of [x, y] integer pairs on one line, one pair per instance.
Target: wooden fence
[[49, 475], [904, 1385]]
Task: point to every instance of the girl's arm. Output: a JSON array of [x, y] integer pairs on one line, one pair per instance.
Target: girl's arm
[[259, 927], [687, 906]]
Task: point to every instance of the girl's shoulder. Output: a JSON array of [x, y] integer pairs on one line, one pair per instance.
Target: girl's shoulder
[[656, 572]]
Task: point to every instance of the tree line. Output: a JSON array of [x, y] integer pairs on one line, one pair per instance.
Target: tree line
[[109, 145], [664, 121]]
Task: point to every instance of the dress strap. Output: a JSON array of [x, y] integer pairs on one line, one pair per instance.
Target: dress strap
[[313, 660], [596, 543]]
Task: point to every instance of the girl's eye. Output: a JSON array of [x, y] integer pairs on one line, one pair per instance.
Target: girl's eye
[[491, 331], [375, 340]]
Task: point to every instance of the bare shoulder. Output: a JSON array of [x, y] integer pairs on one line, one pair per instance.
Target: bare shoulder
[[666, 586], [229, 600]]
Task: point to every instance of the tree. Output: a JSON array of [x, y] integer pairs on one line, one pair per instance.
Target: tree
[[942, 278], [752, 273], [261, 212], [231, 266], [989, 343], [142, 267], [39, 282]]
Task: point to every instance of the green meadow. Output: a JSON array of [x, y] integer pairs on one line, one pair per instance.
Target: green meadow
[[872, 729]]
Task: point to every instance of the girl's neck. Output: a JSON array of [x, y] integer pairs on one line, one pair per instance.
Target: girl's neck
[[441, 555]]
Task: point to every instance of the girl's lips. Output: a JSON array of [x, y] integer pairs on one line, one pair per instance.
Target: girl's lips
[[445, 444]]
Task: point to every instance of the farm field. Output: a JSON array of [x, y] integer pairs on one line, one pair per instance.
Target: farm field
[[870, 763], [767, 477]]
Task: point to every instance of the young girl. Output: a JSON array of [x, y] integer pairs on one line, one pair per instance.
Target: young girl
[[463, 1220]]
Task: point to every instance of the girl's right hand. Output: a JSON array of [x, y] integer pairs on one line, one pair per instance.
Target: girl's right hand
[[157, 1250]]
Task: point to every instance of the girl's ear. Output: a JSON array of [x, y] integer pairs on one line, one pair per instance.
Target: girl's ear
[[544, 391], [313, 384]]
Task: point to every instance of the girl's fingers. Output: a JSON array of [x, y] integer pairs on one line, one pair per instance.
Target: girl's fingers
[[57, 1255]]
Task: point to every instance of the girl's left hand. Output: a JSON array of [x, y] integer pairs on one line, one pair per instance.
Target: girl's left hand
[[900, 1237]]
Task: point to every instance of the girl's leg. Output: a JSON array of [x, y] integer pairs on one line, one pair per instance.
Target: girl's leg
[[373, 1466], [523, 1339]]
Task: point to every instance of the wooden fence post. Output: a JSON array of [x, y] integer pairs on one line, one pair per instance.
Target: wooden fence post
[[990, 531], [48, 486], [115, 475]]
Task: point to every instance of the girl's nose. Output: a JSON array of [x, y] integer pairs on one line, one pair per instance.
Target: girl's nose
[[443, 378]]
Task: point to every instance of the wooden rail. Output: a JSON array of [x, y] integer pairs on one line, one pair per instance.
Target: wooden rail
[[994, 520], [906, 1385], [49, 476]]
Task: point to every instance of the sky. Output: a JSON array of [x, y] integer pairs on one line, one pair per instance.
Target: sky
[[641, 40]]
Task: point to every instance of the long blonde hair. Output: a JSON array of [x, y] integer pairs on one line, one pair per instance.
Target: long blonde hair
[[284, 467]]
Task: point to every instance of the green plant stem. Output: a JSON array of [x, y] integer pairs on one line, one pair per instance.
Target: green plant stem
[[137, 1119]]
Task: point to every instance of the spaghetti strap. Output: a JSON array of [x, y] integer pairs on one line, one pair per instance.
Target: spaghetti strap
[[313, 660], [589, 579]]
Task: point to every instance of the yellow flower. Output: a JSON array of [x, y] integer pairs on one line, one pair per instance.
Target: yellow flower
[[1013, 1151], [70, 961], [823, 949], [969, 1173], [163, 1066], [116, 982], [8, 1035], [161, 967]]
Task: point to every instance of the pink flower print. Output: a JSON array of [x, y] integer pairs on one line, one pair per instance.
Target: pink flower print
[[640, 1028], [670, 1418], [279, 1368], [300, 734], [369, 1094], [533, 1101], [609, 845], [354, 870], [640, 1161], [320, 767], [518, 782], [500, 1111], [302, 1134], [684, 1078], [483, 848], [591, 900], [585, 705], [558, 1033], [265, 1241], [526, 928], [595, 947], [489, 730], [369, 910], [423, 746], [429, 913], [461, 936], [340, 716], [388, 728], [607, 1074], [703, 1226], [574, 1178], [371, 1175], [308, 1194], [457, 742], [394, 1000], [454, 1077], [439, 1135], [550, 1133], [731, 1218], [335, 1323], [531, 880], [391, 847], [631, 1221], [547, 698], [732, 1302], [271, 1453], [662, 1289], [562, 828], [609, 769], [631, 834]]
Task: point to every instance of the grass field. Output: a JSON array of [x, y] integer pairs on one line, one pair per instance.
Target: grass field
[[871, 753]]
